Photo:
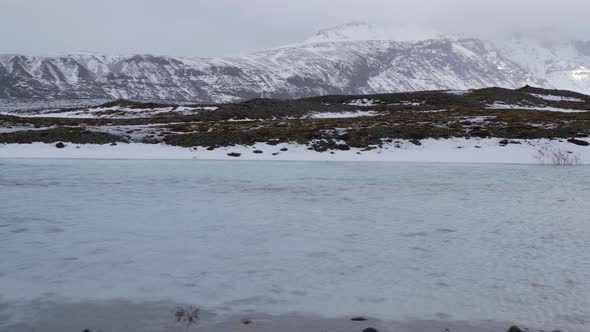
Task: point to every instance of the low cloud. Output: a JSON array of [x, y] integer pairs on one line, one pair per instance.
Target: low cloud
[[226, 27]]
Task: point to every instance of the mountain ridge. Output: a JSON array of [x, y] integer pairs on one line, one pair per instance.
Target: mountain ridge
[[338, 61]]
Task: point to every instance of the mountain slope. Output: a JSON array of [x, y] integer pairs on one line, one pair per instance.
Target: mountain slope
[[566, 65], [336, 61]]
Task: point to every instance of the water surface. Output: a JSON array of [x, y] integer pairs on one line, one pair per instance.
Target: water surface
[[394, 241]]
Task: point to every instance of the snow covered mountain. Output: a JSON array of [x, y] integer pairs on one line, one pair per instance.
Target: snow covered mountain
[[350, 59], [349, 32], [565, 65]]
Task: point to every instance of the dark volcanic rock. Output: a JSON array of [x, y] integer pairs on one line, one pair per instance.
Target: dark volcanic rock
[[480, 133], [416, 142], [234, 154], [258, 151], [505, 142], [370, 329], [358, 319], [578, 142], [72, 135], [60, 145], [515, 329]]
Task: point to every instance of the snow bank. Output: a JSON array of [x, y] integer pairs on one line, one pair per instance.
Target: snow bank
[[364, 102], [103, 112], [501, 106], [342, 115], [457, 150], [458, 92], [557, 98]]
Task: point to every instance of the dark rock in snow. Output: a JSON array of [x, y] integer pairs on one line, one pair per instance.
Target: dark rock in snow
[[60, 145], [358, 319], [505, 142], [234, 154], [258, 151], [284, 149], [480, 132], [416, 142], [578, 142], [514, 329], [370, 329]]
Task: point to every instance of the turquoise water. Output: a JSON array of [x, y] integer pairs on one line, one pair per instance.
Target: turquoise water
[[424, 241]]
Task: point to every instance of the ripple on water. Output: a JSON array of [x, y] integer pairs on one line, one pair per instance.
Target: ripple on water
[[53, 230], [486, 241], [414, 234], [446, 230]]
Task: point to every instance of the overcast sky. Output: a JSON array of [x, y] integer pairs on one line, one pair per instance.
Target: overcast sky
[[232, 27]]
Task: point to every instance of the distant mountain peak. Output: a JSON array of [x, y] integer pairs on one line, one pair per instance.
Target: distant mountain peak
[[350, 31], [347, 26]]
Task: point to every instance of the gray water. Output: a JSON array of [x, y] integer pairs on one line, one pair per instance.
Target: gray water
[[394, 241]]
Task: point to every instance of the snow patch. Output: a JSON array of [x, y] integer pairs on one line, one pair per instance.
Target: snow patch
[[502, 106], [342, 115], [557, 98], [455, 150], [477, 118], [364, 102], [407, 103], [115, 112], [434, 111], [458, 92]]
